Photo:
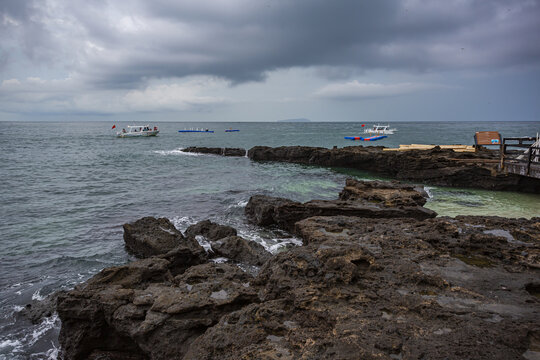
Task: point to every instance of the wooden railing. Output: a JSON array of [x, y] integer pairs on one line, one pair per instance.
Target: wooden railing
[[520, 159]]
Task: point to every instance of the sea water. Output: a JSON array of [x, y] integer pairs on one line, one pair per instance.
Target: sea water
[[67, 188]]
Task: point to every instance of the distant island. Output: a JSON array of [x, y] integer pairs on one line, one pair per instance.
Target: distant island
[[295, 120]]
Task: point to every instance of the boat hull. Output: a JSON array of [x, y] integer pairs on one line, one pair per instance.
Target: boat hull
[[371, 138], [195, 131], [138, 134]]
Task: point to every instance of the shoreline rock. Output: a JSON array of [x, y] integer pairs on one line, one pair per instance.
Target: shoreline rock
[[358, 198], [442, 167], [359, 287]]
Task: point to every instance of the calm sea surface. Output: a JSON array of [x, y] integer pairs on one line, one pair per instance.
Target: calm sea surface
[[67, 188]]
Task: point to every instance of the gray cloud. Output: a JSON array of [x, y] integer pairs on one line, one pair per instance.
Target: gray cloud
[[115, 44]]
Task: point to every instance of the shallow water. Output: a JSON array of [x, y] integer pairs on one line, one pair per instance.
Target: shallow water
[[69, 187]]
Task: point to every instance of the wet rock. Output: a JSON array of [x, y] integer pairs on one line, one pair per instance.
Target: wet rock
[[380, 200], [240, 250], [37, 310], [150, 236], [211, 231], [389, 194], [442, 167], [140, 310], [217, 151], [373, 288]]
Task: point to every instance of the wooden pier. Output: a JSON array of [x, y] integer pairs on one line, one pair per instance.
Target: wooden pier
[[521, 156]]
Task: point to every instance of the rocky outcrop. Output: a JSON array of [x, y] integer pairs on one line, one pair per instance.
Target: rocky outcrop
[[217, 151], [150, 236], [365, 288], [360, 287], [211, 231], [437, 166], [240, 250], [389, 194], [358, 198], [141, 309]]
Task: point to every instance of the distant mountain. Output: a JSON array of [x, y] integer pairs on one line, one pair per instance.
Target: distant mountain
[[295, 120]]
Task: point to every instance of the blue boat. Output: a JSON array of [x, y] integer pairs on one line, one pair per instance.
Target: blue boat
[[196, 131], [231, 130], [371, 138]]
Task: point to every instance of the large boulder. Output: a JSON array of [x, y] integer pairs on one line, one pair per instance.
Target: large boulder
[[211, 231], [150, 236], [240, 250], [266, 210], [139, 310], [387, 193]]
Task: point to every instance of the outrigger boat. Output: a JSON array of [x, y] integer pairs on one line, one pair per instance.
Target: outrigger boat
[[137, 131], [197, 130], [371, 138], [380, 130]]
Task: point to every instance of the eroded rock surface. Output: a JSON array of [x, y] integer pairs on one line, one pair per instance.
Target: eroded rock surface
[[210, 230], [368, 288], [358, 198], [150, 236], [437, 166]]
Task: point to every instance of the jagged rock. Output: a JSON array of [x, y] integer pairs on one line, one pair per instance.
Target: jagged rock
[[211, 231], [150, 236], [364, 288], [389, 194], [217, 151], [380, 200], [358, 288], [36, 310], [442, 167], [261, 209], [141, 309], [240, 250]]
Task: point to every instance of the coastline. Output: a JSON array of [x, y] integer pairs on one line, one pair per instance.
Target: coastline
[[437, 166], [358, 286]]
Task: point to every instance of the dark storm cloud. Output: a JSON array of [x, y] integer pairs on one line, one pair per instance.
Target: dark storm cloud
[[121, 44]]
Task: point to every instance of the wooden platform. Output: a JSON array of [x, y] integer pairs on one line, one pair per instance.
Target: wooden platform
[[456, 148]]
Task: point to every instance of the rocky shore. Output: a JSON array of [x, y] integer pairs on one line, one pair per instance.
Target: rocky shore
[[378, 277], [442, 167]]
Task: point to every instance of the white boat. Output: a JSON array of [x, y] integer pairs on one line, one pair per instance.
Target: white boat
[[137, 130], [380, 129]]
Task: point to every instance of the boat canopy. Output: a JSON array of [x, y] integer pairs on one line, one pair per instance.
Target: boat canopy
[[137, 126]]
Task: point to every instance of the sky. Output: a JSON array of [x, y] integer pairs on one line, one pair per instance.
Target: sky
[[269, 60]]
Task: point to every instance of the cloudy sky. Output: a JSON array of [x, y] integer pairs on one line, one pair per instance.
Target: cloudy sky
[[250, 60]]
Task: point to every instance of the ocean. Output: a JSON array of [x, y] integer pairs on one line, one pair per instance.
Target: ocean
[[67, 188]]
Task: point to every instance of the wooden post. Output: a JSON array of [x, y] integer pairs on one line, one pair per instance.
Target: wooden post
[[529, 161], [502, 150]]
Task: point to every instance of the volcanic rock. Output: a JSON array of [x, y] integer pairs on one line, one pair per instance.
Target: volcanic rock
[[359, 198], [141, 309], [437, 166], [365, 288], [240, 250], [217, 151], [150, 236], [211, 231], [390, 194]]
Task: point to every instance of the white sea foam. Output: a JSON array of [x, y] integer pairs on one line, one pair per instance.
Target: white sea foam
[[37, 296], [9, 344], [428, 191], [219, 260], [182, 222], [204, 243], [178, 151], [21, 342]]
